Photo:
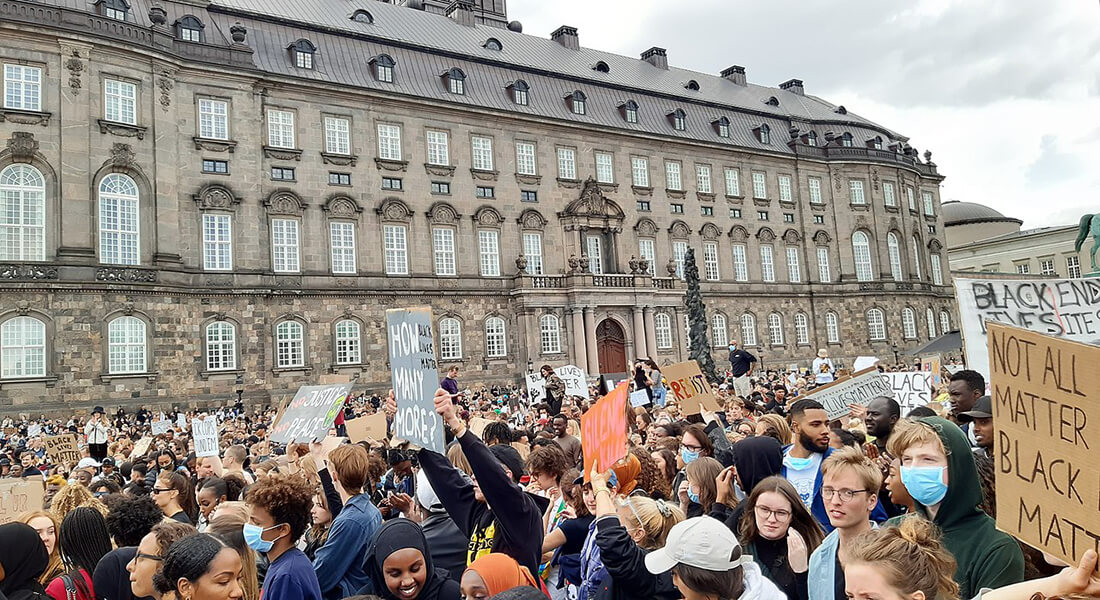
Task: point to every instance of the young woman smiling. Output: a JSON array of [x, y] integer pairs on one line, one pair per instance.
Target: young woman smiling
[[399, 559]]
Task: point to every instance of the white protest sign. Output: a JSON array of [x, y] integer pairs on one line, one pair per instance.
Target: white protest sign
[[34, 430], [536, 387], [910, 389], [860, 388], [576, 384], [863, 362], [181, 421], [205, 431], [1061, 308], [415, 377], [639, 398], [160, 426]]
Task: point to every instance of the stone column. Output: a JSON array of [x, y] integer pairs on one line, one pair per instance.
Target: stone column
[[650, 332], [164, 122], [579, 353], [590, 340], [680, 340], [640, 348]]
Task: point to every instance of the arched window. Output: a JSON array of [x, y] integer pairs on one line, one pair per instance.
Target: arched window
[[189, 29], [719, 332], [601, 67], [578, 102], [290, 342], [520, 92], [348, 342], [456, 81], [801, 329], [876, 324], [917, 259], [550, 334], [679, 119], [383, 66], [775, 329], [496, 344], [662, 331], [119, 229], [748, 330], [908, 323], [692, 85], [861, 252], [765, 134], [221, 346], [450, 339], [362, 16], [22, 348], [945, 322], [930, 317], [832, 328], [811, 138], [22, 213], [895, 255], [126, 350], [302, 52], [846, 140], [493, 44]]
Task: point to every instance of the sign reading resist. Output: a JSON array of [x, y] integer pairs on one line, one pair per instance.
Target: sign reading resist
[[415, 377], [310, 414]]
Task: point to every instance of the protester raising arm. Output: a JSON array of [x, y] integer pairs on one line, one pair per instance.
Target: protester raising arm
[[1079, 581]]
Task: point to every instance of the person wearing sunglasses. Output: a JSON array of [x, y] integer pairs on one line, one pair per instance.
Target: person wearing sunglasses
[[176, 498], [150, 555]]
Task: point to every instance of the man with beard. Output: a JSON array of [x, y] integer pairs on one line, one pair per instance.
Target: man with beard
[[883, 413]]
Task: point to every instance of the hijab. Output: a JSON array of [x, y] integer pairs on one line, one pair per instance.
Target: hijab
[[757, 458], [399, 534], [23, 556], [627, 471], [501, 572]]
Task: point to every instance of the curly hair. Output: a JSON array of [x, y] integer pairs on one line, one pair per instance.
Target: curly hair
[[188, 559], [71, 497], [131, 517], [288, 500], [548, 460], [650, 478]]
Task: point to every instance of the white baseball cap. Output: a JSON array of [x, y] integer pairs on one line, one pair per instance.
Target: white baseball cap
[[701, 542]]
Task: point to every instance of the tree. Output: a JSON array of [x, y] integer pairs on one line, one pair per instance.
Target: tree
[[699, 348]]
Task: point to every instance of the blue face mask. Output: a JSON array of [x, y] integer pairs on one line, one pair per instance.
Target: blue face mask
[[797, 464], [253, 536], [925, 484], [693, 496], [688, 455]]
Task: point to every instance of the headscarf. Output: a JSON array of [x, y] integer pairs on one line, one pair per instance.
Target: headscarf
[[399, 534], [501, 572], [757, 458], [627, 471], [23, 556]]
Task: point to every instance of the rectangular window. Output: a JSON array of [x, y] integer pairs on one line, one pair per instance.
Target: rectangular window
[[284, 245], [394, 250], [855, 189], [733, 182], [823, 272], [220, 167], [679, 252], [482, 153], [639, 171], [221, 347], [785, 194], [710, 261], [702, 179], [767, 263], [1046, 266], [932, 229], [595, 254], [567, 163], [1073, 267], [280, 128], [443, 243], [213, 119], [762, 215], [120, 101], [485, 192], [929, 203], [759, 185], [819, 219], [815, 191], [673, 179], [439, 152], [391, 183], [389, 141], [794, 269], [740, 263], [342, 244], [642, 205], [489, 248], [706, 211], [788, 217], [337, 135], [339, 178], [646, 250], [217, 242], [303, 59], [1023, 268], [22, 87], [909, 195], [441, 187], [735, 213], [282, 174], [528, 196], [532, 250], [605, 172], [525, 158], [676, 209], [888, 196]]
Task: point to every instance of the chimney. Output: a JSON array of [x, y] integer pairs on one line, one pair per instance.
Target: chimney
[[567, 36], [656, 57], [736, 74], [793, 86], [462, 11]]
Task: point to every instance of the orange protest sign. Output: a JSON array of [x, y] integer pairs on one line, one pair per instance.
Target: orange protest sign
[[603, 430], [690, 388]]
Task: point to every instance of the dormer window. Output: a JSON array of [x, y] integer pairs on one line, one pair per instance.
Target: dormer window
[[456, 81], [577, 102], [692, 85], [302, 52], [602, 67], [722, 126], [875, 142], [382, 65], [629, 111], [114, 9], [764, 134], [493, 44], [846, 140], [773, 101], [840, 110], [678, 119], [362, 16], [519, 90], [189, 29], [811, 138]]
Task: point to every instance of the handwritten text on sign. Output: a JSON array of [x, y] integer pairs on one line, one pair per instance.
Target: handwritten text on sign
[[910, 389], [205, 431], [415, 377], [1046, 417], [860, 388], [690, 388], [18, 496], [603, 430], [310, 414], [62, 449]]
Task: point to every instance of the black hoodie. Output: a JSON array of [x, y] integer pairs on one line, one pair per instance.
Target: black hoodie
[[756, 459]]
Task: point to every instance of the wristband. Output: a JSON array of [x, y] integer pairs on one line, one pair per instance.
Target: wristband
[[603, 489]]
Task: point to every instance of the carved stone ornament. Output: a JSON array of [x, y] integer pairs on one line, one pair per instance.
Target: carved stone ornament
[[528, 179], [442, 213], [670, 266], [342, 160], [791, 236], [166, 85], [239, 32], [894, 223], [643, 266], [739, 234], [216, 197], [342, 207], [439, 170], [646, 227], [284, 203], [532, 219], [22, 146], [282, 153], [821, 238], [874, 178], [289, 281], [126, 275], [76, 67], [593, 203], [157, 15], [219, 280], [679, 229], [229, 146], [676, 194], [121, 129], [392, 165], [521, 263], [574, 263], [569, 184], [483, 175], [122, 155], [584, 262], [710, 231], [20, 117], [642, 190], [633, 262], [23, 307], [765, 235], [836, 181], [31, 272], [394, 210], [488, 217]]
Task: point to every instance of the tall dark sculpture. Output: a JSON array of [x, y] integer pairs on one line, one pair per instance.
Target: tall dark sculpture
[[699, 348]]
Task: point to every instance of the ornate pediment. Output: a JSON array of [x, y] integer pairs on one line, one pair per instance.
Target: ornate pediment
[[791, 236], [710, 231], [442, 213], [646, 228], [393, 209], [284, 203], [592, 203], [216, 197], [342, 207], [821, 238], [679, 230], [765, 235], [532, 219], [487, 216], [739, 234]]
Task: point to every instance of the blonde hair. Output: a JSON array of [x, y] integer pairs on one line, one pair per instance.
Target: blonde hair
[[458, 458], [854, 459], [779, 424], [74, 496], [910, 557], [913, 433], [656, 518], [237, 509], [54, 567]]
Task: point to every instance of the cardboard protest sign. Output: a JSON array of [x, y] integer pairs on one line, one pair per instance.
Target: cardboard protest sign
[[536, 387], [18, 496], [639, 398], [63, 449], [576, 384], [603, 430], [931, 364], [370, 427], [910, 389], [860, 388], [523, 449], [1047, 425], [330, 443], [205, 431], [160, 426], [310, 414], [690, 388], [141, 447], [415, 377], [478, 424]]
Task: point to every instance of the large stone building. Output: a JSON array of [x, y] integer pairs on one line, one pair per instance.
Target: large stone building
[[200, 197]]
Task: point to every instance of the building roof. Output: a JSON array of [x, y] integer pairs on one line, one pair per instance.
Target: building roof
[[1070, 231], [963, 213]]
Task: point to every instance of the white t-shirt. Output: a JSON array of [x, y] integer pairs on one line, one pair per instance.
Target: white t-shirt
[[803, 479], [823, 370]]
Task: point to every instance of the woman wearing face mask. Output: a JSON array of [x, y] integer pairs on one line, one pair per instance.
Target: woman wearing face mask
[[780, 534], [693, 444], [280, 513], [399, 562], [176, 498], [492, 574], [47, 527], [699, 488], [23, 558], [201, 567], [150, 555]]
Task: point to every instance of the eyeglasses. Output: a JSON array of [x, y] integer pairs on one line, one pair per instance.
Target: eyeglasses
[[844, 495], [162, 490], [691, 448], [149, 557], [766, 513]]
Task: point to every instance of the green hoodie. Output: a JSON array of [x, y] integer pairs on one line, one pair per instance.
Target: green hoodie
[[987, 558]]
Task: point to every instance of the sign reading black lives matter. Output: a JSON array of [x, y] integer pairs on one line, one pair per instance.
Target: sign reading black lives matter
[[415, 377], [860, 388], [311, 413]]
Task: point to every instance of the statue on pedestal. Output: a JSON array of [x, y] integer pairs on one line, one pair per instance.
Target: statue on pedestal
[[521, 264], [1090, 223]]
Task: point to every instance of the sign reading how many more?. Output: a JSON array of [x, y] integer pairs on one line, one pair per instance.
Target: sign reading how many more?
[[415, 377]]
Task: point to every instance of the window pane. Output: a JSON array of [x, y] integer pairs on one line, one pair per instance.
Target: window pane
[[396, 256], [217, 242], [740, 263], [284, 245], [280, 128], [647, 250], [213, 119], [662, 329], [120, 102], [118, 221], [342, 242], [702, 179], [126, 345], [525, 158], [348, 350], [22, 87], [767, 263], [673, 179], [489, 247], [550, 334], [604, 170], [389, 142], [710, 261], [443, 242], [337, 140], [22, 213], [532, 250], [495, 341], [567, 163], [482, 153], [289, 345], [23, 348], [639, 168], [221, 346]]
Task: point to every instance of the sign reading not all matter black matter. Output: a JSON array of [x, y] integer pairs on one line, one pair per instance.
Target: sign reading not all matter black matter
[[415, 377]]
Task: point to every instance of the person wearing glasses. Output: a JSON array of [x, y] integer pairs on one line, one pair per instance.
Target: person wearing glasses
[[176, 498], [779, 533], [150, 554], [849, 491]]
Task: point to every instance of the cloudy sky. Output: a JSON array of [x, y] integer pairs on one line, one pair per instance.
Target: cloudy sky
[[1006, 93]]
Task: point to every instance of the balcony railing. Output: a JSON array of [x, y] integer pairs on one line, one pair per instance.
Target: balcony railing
[[588, 280]]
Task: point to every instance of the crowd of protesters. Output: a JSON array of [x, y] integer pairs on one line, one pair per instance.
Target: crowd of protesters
[[765, 499]]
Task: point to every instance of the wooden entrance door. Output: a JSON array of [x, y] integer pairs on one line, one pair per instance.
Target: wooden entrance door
[[611, 343]]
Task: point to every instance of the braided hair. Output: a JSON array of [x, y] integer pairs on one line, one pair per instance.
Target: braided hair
[[84, 541], [188, 559]]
